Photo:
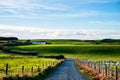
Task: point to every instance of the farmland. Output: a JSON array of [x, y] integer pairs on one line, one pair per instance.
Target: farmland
[[81, 50], [92, 52], [15, 63]]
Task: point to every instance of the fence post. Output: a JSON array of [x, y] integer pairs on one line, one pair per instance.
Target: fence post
[[116, 72], [7, 69], [88, 64], [91, 64], [22, 69], [38, 69], [106, 69], [32, 70], [109, 69], [99, 68], [103, 68], [94, 65]]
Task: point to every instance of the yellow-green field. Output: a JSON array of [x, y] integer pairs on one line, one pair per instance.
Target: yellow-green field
[[15, 64], [92, 52]]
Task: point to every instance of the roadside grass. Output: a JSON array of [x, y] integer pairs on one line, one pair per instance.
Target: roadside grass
[[89, 77], [15, 64], [90, 52]]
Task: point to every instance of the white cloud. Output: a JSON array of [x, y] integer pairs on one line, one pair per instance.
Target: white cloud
[[28, 8], [96, 1], [38, 33], [46, 9], [12, 3], [105, 22], [31, 4], [102, 1], [33, 15]]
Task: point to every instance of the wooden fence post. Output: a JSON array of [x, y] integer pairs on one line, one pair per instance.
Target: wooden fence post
[[38, 69], [7, 69], [106, 69], [109, 69], [116, 72], [103, 68], [91, 64], [99, 67], [22, 69], [88, 64], [95, 65], [32, 70]]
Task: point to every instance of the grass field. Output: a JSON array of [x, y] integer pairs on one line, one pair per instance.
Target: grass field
[[92, 52], [15, 64], [69, 42]]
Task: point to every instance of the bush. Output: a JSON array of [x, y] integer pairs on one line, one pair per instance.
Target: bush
[[56, 57], [1, 47], [60, 57], [6, 49]]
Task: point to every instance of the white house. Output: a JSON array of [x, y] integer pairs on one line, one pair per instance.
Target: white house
[[42, 42]]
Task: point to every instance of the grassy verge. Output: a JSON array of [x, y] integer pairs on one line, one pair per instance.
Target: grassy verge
[[90, 72]]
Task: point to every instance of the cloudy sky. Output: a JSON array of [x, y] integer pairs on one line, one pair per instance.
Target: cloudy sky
[[60, 19]]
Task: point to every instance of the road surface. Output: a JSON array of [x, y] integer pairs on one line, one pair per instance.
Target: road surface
[[67, 71]]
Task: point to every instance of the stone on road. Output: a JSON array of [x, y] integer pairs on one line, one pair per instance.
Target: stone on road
[[67, 71]]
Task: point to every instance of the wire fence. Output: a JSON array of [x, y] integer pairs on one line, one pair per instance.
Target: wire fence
[[109, 69], [20, 71]]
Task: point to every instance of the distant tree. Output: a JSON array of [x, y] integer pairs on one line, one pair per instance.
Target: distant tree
[[107, 40], [12, 39], [28, 41], [9, 39]]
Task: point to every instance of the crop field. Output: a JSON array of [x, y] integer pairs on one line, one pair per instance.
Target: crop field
[[92, 52], [15, 64]]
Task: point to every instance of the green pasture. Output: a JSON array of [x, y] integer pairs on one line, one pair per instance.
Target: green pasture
[[69, 42], [15, 63], [65, 42], [92, 52]]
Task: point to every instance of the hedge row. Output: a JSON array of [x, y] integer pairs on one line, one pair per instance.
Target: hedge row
[[56, 57], [8, 50]]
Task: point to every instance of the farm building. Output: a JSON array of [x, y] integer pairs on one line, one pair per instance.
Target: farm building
[[41, 42]]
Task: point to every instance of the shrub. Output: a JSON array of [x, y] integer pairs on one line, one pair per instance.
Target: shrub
[[6, 49], [60, 57], [56, 57], [1, 47]]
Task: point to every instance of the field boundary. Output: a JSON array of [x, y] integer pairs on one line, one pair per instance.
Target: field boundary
[[100, 70], [31, 74]]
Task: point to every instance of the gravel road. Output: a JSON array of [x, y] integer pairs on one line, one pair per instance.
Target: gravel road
[[67, 71]]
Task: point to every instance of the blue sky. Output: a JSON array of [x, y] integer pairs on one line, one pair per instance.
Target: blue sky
[[64, 19]]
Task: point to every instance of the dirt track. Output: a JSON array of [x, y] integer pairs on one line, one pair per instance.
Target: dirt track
[[67, 71]]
